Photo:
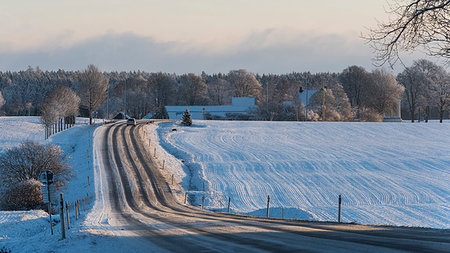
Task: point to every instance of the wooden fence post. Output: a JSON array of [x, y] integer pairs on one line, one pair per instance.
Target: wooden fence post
[[339, 211], [229, 202], [75, 209], [185, 198], [67, 216], [203, 201], [50, 214], [268, 205], [63, 228]]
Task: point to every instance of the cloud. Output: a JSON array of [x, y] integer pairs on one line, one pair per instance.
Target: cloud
[[270, 51]]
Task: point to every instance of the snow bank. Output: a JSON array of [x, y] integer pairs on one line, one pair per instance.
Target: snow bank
[[387, 173]]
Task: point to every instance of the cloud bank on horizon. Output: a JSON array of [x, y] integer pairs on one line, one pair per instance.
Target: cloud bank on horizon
[[257, 53], [187, 36]]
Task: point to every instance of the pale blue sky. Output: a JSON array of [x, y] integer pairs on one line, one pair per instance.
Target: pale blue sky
[[182, 36]]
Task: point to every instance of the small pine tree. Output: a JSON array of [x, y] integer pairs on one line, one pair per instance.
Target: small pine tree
[[186, 119]]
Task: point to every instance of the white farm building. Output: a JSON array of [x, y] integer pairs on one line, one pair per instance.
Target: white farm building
[[239, 105]]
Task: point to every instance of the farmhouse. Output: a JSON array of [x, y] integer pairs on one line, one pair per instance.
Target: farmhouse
[[121, 116], [239, 105]]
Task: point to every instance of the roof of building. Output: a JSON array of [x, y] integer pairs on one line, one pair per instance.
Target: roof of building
[[121, 115]]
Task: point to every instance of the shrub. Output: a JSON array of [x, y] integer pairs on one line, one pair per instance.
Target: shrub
[[24, 195], [370, 115], [30, 159]]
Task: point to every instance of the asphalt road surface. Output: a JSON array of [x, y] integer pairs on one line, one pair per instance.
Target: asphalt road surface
[[140, 201]]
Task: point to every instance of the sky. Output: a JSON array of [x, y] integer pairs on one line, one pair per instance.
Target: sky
[[188, 36]]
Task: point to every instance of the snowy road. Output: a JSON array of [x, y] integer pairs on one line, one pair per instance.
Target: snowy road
[[135, 204]]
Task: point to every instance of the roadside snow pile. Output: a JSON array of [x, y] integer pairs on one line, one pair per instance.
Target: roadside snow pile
[[387, 173]]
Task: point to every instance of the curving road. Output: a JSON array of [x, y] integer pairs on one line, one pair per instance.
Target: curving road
[[137, 199]]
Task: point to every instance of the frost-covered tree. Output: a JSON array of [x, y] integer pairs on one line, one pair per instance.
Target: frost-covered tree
[[354, 79], [440, 91], [186, 119], [244, 84], [28, 160], [418, 81], [331, 104], [61, 102], [20, 168], [2, 103], [93, 89], [219, 91], [383, 93], [192, 89], [164, 86]]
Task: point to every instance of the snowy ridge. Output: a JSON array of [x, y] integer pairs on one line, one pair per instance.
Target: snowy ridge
[[387, 173]]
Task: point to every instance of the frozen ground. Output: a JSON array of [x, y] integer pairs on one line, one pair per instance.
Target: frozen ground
[[387, 173]]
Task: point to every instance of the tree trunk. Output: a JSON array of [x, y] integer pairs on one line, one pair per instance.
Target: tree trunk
[[90, 115]]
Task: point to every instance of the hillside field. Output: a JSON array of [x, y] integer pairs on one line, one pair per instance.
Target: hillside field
[[387, 173]]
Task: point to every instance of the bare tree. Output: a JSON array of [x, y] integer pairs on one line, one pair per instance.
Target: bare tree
[[192, 89], [418, 81], [29, 159], [93, 89], [61, 102], [218, 91], [244, 83], [2, 102], [354, 80], [440, 92], [413, 23], [383, 92]]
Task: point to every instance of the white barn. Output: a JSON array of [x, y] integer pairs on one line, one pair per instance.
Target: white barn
[[239, 105]]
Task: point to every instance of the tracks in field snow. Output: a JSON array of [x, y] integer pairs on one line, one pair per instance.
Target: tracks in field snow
[[386, 173], [142, 202]]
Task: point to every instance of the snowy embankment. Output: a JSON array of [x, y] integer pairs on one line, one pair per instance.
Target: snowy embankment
[[29, 231], [387, 173]]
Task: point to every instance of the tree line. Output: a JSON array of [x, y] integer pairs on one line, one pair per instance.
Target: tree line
[[351, 94]]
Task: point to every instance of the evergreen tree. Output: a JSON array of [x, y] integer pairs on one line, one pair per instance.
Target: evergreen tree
[[186, 119]]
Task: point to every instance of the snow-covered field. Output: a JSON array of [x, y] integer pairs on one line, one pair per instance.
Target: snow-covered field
[[387, 173]]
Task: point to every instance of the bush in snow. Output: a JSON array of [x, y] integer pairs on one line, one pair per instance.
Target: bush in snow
[[24, 195], [186, 119], [370, 115], [27, 161]]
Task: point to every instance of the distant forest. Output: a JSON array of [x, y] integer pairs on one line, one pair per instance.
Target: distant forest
[[352, 94]]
